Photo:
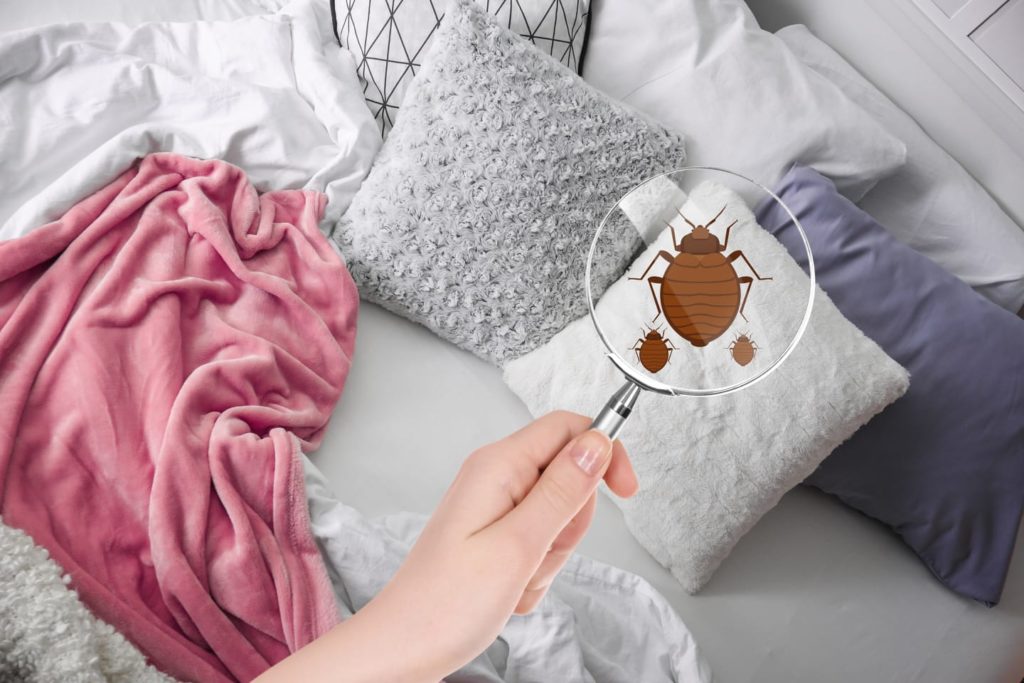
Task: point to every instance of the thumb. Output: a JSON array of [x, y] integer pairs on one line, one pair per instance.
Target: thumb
[[562, 490]]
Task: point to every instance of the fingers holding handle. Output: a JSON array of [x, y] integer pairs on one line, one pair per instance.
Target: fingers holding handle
[[613, 416], [562, 490]]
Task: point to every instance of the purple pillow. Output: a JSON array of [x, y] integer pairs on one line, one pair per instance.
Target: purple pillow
[[943, 465]]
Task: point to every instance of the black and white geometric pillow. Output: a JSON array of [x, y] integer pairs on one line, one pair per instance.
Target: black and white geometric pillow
[[389, 38]]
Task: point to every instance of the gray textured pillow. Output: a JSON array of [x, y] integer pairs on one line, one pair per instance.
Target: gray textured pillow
[[478, 212]]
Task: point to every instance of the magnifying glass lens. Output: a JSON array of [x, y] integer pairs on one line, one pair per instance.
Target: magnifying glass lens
[[712, 303]]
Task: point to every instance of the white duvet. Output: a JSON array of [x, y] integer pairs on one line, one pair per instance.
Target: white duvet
[[271, 94]]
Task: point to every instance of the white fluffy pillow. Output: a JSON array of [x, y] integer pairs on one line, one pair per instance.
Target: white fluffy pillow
[[743, 100], [709, 468], [932, 204]]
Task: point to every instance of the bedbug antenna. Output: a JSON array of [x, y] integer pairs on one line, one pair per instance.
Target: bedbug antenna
[[716, 217], [686, 219]]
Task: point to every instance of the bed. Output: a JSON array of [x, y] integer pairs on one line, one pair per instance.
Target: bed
[[815, 591]]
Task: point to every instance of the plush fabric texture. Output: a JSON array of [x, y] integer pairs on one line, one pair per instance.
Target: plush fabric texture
[[944, 465], [709, 468], [165, 349], [46, 634], [478, 212], [706, 69], [597, 622], [390, 39], [931, 204]]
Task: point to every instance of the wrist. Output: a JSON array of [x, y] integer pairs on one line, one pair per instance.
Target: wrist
[[393, 639], [372, 646]]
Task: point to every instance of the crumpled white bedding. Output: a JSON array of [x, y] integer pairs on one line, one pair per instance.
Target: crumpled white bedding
[[597, 623], [18, 15], [79, 102]]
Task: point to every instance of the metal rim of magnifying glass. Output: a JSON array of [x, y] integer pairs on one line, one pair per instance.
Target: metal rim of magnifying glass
[[660, 387]]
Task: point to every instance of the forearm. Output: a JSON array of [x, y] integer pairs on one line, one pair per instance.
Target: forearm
[[505, 527], [367, 648]]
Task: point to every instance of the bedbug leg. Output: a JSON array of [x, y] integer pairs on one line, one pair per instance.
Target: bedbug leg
[[739, 254], [725, 244], [749, 282], [651, 281], [661, 254], [675, 243]]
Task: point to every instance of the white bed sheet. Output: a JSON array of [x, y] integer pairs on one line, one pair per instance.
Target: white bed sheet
[[815, 592]]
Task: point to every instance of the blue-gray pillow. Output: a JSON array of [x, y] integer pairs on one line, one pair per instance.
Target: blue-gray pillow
[[943, 465]]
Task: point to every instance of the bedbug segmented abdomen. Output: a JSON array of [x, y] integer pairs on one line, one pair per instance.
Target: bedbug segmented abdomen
[[654, 354], [700, 295], [743, 350]]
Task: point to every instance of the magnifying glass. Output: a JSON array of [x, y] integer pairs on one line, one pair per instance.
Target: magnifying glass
[[712, 304]]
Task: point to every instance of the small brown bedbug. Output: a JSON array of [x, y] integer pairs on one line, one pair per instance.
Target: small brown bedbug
[[743, 349], [653, 350], [699, 291]]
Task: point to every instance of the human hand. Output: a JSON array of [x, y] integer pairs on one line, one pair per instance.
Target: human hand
[[510, 520]]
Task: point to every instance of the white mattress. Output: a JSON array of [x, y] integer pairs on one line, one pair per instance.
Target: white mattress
[[815, 592]]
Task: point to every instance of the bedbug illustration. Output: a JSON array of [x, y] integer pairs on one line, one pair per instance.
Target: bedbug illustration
[[743, 349], [700, 290], [653, 350]]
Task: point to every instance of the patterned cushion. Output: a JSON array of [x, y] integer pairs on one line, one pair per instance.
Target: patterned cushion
[[476, 217], [389, 39]]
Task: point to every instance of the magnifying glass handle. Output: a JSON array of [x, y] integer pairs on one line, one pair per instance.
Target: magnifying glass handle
[[613, 416]]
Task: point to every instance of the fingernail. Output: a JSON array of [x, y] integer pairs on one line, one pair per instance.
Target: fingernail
[[590, 451]]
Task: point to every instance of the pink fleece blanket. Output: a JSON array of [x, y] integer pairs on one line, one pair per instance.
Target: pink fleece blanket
[[166, 349]]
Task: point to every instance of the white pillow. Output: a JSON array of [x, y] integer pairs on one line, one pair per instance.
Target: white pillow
[[709, 468], [931, 204], [743, 100]]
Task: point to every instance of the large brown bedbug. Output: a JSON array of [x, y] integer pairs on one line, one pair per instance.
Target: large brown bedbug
[[700, 290], [743, 349], [653, 350]]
